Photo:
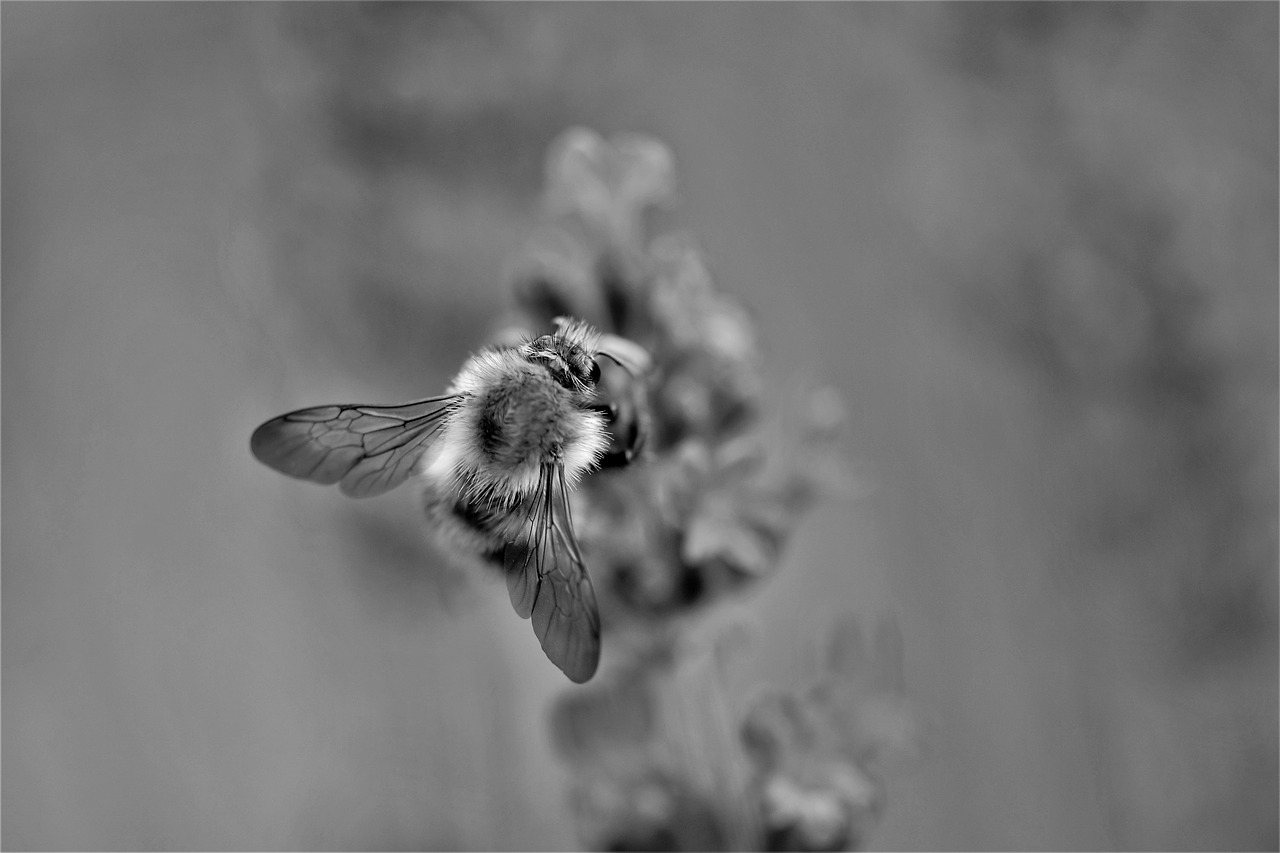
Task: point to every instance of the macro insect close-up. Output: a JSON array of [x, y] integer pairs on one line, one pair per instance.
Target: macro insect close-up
[[498, 456], [640, 426]]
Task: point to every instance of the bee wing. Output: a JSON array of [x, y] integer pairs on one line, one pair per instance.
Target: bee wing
[[367, 449], [548, 581]]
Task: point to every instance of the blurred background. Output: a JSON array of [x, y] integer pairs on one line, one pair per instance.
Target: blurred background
[[1033, 245]]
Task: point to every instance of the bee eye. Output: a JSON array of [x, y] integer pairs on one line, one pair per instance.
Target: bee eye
[[593, 376]]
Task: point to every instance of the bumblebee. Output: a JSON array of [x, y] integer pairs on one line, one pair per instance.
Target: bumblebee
[[497, 456]]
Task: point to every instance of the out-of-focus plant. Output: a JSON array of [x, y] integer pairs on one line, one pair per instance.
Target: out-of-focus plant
[[660, 759], [821, 754], [716, 494]]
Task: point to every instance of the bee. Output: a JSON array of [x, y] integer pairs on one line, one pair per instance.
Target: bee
[[497, 457]]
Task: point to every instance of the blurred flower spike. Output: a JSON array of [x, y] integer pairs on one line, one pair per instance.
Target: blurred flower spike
[[710, 508], [606, 186], [707, 479], [820, 755], [659, 763]]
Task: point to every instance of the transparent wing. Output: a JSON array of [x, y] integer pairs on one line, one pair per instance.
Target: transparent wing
[[548, 581], [367, 449]]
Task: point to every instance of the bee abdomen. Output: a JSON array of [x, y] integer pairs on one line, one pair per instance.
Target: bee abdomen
[[470, 524]]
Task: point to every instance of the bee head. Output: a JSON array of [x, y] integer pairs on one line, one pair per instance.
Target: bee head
[[568, 355]]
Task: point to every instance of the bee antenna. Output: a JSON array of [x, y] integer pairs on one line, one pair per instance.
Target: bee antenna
[[627, 354]]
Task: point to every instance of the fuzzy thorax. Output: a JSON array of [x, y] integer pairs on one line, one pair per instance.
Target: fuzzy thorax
[[513, 418]]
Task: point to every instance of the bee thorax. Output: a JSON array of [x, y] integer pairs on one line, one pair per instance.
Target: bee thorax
[[513, 420]]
